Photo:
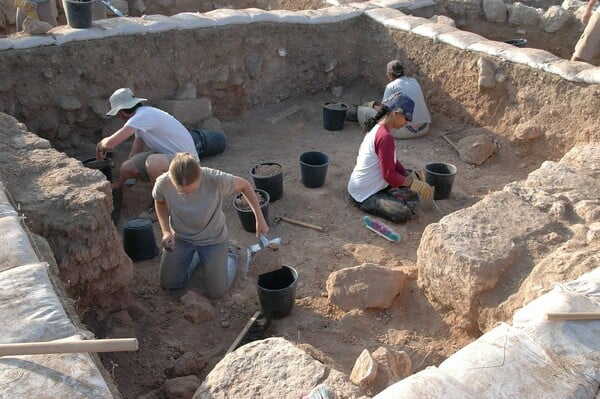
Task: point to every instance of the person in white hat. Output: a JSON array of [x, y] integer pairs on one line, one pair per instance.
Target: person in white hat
[[158, 136]]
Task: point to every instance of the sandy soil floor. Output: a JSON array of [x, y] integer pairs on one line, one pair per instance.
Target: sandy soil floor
[[411, 324]]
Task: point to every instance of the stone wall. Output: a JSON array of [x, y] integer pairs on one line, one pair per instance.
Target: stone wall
[[242, 59], [70, 206]]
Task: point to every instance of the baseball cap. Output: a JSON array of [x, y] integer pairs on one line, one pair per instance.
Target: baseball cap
[[123, 98], [395, 68], [399, 102]]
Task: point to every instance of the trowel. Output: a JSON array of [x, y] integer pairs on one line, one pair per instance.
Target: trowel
[[263, 242]]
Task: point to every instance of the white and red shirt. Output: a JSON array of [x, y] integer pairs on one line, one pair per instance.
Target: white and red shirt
[[376, 165]]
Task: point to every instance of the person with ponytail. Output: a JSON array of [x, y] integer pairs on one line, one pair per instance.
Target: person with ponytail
[[377, 175]]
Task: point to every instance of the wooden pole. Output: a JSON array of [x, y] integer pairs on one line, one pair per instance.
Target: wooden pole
[[449, 142], [299, 223], [573, 316], [95, 345]]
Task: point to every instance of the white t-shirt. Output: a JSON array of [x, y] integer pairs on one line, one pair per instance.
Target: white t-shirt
[[410, 87], [197, 217], [161, 132], [366, 178]]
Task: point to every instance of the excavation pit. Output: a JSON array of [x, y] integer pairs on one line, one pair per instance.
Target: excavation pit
[[526, 129]]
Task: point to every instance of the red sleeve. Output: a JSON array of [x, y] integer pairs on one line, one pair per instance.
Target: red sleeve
[[400, 168], [385, 150]]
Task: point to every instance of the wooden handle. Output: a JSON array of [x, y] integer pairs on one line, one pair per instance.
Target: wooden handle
[[299, 223], [449, 142], [96, 345], [573, 316]]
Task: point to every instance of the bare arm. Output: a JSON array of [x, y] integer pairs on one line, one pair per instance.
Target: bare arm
[[588, 11], [243, 186], [110, 142], [138, 146], [162, 213]]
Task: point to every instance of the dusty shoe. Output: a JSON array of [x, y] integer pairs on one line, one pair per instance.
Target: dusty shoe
[[149, 214], [34, 27]]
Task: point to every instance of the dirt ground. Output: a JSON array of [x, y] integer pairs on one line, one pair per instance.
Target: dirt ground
[[411, 324]]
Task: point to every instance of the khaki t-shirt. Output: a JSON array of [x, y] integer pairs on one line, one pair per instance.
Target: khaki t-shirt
[[197, 217]]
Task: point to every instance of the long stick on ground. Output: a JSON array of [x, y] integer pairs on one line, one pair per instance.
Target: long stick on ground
[[573, 316], [449, 142], [75, 346]]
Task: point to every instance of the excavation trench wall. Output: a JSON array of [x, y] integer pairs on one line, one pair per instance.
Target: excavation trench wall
[[57, 85]]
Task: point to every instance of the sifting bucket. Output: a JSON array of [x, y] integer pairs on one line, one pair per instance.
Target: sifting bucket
[[208, 143], [247, 216], [440, 176], [334, 115], [138, 239], [277, 292], [313, 168], [104, 166], [272, 184], [79, 13]]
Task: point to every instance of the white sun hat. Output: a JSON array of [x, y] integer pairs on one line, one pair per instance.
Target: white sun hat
[[123, 98]]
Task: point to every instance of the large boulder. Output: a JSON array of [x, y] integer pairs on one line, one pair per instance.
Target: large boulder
[[365, 286], [272, 368]]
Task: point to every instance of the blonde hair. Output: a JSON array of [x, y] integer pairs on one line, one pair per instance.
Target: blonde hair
[[184, 169]]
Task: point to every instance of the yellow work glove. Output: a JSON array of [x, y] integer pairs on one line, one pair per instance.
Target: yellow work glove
[[29, 8], [416, 174], [423, 189]]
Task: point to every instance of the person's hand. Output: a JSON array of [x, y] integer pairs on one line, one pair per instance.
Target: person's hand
[[423, 189], [262, 227], [585, 17], [168, 241], [26, 5], [415, 174], [100, 152]]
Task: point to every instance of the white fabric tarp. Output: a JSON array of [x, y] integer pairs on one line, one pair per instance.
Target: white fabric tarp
[[507, 363], [430, 383], [30, 309]]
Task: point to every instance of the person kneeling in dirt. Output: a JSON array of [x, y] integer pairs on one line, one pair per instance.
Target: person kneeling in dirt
[[188, 200], [158, 137], [35, 17], [398, 83], [378, 178]]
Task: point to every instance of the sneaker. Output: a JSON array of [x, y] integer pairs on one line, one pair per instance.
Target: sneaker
[[150, 214]]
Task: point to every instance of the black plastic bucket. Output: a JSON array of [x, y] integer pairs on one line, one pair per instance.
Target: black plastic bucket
[[313, 168], [79, 13], [208, 143], [272, 184], [247, 216], [440, 176], [138, 239], [104, 166], [277, 292], [334, 115]]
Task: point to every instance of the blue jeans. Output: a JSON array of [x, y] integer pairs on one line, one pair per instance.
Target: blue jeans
[[178, 266]]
